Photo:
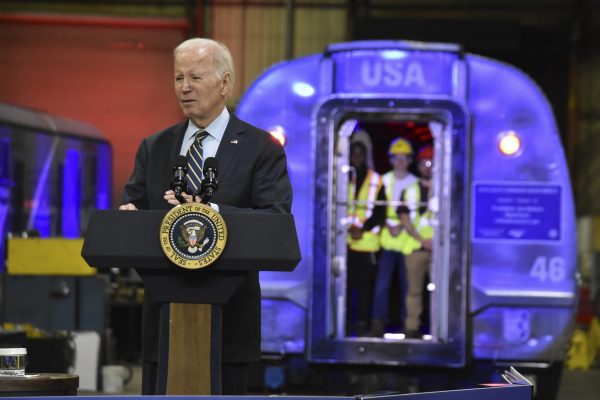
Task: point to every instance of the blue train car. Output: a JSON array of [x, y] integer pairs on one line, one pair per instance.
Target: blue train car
[[502, 287], [53, 172]]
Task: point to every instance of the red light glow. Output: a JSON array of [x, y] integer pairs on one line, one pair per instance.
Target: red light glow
[[277, 133]]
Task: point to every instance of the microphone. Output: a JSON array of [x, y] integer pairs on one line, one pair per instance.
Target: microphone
[[178, 182], [210, 184]]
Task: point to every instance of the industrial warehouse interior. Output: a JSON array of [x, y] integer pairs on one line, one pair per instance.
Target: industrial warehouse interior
[[349, 198]]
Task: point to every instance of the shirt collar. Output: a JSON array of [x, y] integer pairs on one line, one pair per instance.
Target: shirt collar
[[215, 129]]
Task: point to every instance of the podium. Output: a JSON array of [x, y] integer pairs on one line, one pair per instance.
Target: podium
[[191, 330]]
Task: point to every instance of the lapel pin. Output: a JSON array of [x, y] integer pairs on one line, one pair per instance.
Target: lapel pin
[[234, 141]]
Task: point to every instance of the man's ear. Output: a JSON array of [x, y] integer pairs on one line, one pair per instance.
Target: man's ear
[[226, 84]]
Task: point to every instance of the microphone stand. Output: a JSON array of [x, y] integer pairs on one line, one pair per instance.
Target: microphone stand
[[178, 188], [207, 190], [206, 195], [178, 182], [180, 198], [210, 183]]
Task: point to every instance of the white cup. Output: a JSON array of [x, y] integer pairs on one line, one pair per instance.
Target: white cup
[[12, 361], [114, 378]]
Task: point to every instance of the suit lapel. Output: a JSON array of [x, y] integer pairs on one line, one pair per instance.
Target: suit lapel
[[230, 144], [178, 140]]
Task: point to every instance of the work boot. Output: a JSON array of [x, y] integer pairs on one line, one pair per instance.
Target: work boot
[[377, 329], [360, 328], [413, 334]]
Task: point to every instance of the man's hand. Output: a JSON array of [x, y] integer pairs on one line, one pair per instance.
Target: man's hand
[[171, 199], [128, 207], [426, 243], [355, 232]]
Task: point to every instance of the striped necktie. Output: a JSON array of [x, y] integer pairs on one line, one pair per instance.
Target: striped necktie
[[195, 159]]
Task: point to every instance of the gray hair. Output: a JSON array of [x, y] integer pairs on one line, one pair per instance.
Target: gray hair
[[222, 58]]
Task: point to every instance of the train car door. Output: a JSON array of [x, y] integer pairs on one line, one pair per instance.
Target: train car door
[[378, 120]]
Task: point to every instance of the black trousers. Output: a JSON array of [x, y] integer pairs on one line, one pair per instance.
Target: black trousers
[[234, 378], [360, 281]]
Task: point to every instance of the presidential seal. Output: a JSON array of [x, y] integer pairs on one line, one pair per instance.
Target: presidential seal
[[193, 235]]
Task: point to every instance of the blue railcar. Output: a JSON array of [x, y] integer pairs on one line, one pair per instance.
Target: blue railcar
[[53, 172], [503, 281]]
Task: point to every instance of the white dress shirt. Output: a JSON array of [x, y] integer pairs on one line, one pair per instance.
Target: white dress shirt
[[210, 144]]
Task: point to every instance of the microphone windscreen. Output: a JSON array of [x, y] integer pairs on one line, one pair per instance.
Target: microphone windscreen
[[211, 163], [179, 162]]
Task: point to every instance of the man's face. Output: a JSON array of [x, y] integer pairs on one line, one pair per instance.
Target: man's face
[[357, 157], [200, 93], [400, 162]]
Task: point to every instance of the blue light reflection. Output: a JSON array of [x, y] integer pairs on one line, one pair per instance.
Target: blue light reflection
[[103, 176], [71, 197], [394, 54], [303, 89]]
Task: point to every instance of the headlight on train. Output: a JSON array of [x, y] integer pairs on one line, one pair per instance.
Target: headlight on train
[[509, 143]]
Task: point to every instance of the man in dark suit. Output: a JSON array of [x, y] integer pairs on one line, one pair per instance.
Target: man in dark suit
[[252, 176]]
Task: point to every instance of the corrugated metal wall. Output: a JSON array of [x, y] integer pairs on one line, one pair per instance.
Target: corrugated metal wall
[[256, 34], [586, 162]]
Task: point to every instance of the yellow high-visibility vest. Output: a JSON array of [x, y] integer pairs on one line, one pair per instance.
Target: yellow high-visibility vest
[[421, 222], [389, 242], [359, 213]]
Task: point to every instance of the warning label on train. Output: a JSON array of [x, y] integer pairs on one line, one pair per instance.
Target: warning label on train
[[522, 212]]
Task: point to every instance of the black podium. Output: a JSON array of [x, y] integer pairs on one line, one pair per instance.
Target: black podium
[[130, 239]]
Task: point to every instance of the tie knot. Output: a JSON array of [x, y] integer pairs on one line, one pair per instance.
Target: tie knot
[[200, 135]]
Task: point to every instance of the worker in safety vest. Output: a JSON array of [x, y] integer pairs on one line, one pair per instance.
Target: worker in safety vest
[[363, 244], [416, 239], [391, 258]]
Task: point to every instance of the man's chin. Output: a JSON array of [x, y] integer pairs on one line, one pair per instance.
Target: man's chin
[[186, 108], [190, 114]]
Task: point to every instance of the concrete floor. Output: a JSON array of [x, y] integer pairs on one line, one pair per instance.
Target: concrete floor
[[580, 385]]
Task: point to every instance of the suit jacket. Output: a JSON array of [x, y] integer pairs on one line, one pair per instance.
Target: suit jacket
[[252, 177]]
